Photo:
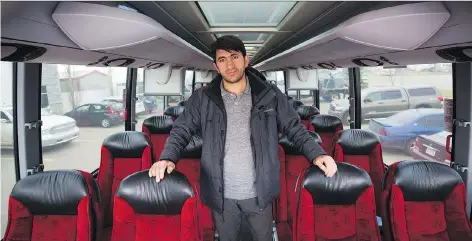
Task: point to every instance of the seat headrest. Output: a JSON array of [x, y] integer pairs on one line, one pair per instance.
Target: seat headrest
[[326, 123], [182, 103], [358, 142], [194, 148], [51, 192], [146, 196], [344, 188], [290, 148], [294, 103], [159, 124], [306, 111], [297, 103], [174, 111], [425, 181], [127, 144]]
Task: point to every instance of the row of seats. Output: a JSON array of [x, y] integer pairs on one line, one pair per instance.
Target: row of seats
[[75, 205], [359, 147], [422, 201], [327, 126], [64, 205], [132, 152]]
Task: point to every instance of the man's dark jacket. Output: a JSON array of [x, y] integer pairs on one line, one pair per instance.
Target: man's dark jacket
[[271, 112]]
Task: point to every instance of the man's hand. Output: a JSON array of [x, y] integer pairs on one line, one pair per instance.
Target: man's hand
[[326, 164], [157, 170]]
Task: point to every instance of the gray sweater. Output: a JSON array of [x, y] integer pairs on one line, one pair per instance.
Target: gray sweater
[[239, 173]]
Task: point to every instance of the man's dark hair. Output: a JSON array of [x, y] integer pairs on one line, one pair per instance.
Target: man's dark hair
[[227, 43]]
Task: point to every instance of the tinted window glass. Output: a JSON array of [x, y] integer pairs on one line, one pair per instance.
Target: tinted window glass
[[3, 116], [422, 122], [402, 118], [83, 108], [340, 83], [98, 108], [435, 121], [375, 96], [391, 95], [422, 92]]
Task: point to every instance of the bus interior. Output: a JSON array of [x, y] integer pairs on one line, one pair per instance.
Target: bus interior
[[89, 92]]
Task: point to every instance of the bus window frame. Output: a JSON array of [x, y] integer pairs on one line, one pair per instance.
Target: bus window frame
[[15, 120], [462, 156], [27, 110]]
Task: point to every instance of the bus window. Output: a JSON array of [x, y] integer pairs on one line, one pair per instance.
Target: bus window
[[7, 152], [85, 105], [334, 91], [292, 93], [153, 105], [408, 116]]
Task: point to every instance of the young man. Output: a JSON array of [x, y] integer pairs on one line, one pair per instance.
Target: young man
[[239, 116]]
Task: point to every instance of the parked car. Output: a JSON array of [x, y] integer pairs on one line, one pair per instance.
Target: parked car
[[55, 129], [400, 130], [433, 148], [334, 88], [119, 100], [97, 114], [150, 102], [386, 101]]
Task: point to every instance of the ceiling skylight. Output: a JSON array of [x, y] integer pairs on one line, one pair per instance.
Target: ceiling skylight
[[250, 14]]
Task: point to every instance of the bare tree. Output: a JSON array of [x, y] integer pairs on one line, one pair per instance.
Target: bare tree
[[110, 81], [391, 75], [73, 86]]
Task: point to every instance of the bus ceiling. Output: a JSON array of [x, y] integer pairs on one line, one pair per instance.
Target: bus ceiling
[[151, 35]]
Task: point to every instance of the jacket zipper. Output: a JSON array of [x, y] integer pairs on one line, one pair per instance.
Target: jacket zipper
[[222, 162], [254, 156]]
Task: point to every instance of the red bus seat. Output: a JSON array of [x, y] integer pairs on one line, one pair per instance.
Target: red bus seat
[[306, 112], [146, 210], [157, 128], [123, 153], [328, 127], [189, 165], [425, 201], [338, 208], [363, 149], [295, 163], [54, 205], [280, 204], [174, 111]]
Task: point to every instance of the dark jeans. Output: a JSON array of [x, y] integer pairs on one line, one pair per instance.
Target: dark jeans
[[228, 224]]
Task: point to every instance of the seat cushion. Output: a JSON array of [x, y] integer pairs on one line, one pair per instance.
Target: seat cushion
[[122, 154], [424, 201], [338, 208], [327, 127], [147, 210], [157, 128], [363, 149], [53, 205]]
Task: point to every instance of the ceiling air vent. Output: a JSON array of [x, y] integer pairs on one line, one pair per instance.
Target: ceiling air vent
[[99, 27]]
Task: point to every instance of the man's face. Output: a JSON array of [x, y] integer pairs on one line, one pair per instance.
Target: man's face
[[231, 65]]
